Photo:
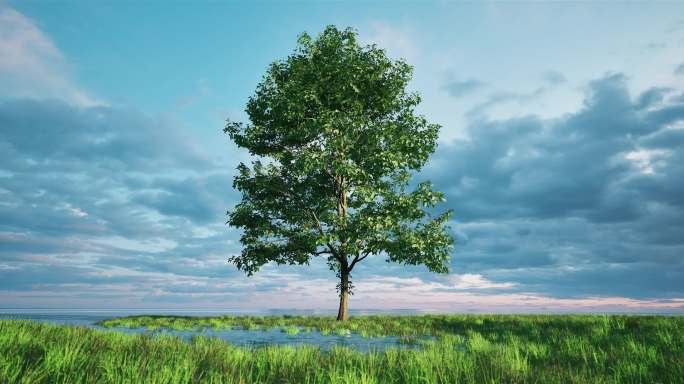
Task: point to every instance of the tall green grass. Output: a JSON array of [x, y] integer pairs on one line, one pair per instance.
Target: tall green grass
[[467, 349]]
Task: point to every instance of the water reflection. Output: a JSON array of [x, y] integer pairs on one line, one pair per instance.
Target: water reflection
[[242, 337]]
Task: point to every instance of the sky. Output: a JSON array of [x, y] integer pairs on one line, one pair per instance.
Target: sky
[[561, 153]]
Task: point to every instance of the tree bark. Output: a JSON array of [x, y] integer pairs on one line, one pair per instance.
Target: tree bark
[[342, 313]]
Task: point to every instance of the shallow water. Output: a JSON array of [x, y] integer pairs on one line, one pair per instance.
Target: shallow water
[[242, 337]]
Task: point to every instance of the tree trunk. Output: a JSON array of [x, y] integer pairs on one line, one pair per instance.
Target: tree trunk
[[342, 313]]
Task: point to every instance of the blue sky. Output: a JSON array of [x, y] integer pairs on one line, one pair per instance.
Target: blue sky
[[561, 153]]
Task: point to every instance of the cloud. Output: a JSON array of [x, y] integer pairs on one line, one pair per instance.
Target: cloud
[[472, 281], [545, 168], [585, 204], [398, 41], [102, 196], [35, 136], [553, 77], [385, 292], [31, 65], [652, 96], [98, 202], [195, 198], [516, 99], [679, 70], [463, 88]]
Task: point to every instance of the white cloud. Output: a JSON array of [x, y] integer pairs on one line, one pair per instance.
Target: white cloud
[[387, 292], [31, 66], [397, 41], [648, 161], [475, 281]]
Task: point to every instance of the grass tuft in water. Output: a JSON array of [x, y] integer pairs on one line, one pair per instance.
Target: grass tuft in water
[[291, 330]]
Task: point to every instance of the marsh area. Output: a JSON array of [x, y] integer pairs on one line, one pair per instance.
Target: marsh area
[[242, 333], [460, 348]]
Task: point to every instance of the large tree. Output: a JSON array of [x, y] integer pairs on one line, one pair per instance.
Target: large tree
[[335, 137]]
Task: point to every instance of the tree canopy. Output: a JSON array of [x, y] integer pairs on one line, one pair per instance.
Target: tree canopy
[[335, 140]]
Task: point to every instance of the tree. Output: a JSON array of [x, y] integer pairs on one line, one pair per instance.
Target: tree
[[336, 137]]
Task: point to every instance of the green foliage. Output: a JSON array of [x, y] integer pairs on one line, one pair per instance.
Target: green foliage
[[467, 349], [336, 138]]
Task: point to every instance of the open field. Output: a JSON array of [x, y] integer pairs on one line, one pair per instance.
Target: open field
[[467, 349]]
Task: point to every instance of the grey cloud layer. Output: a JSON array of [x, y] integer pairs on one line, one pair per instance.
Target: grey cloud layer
[[587, 204], [100, 196]]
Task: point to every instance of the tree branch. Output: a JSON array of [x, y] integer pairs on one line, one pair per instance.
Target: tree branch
[[357, 259], [322, 233]]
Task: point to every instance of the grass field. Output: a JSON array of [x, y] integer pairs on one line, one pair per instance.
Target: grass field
[[467, 349]]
